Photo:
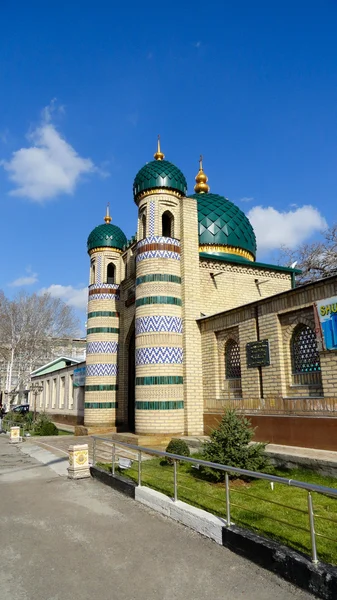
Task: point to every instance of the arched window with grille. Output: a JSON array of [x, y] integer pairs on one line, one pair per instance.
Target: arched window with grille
[[233, 368], [305, 362]]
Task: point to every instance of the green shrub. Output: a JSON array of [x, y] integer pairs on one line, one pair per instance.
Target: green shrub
[[44, 426], [177, 446], [230, 445]]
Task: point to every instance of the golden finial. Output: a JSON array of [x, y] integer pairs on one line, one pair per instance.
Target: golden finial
[[158, 155], [201, 186], [107, 217]]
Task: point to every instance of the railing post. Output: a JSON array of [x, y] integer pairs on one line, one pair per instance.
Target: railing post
[[94, 452], [228, 501], [175, 482], [312, 530], [113, 459], [139, 468]]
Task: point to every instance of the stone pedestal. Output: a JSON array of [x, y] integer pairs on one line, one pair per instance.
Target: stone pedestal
[[15, 437], [78, 461]]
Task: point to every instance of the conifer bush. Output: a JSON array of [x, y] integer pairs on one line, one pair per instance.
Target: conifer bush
[[230, 445], [177, 446]]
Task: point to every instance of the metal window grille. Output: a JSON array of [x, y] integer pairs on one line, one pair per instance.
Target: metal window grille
[[304, 351], [232, 360]]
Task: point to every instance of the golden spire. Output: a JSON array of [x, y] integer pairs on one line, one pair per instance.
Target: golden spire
[[158, 155], [107, 217], [201, 186]]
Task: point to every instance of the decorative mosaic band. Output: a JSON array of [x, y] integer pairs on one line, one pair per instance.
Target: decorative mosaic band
[[101, 388], [154, 246], [99, 269], [158, 324], [158, 300], [102, 330], [152, 218], [157, 254], [158, 239], [104, 286], [165, 405], [102, 370], [160, 380], [100, 405], [156, 355], [103, 313], [168, 278], [103, 296], [102, 347]]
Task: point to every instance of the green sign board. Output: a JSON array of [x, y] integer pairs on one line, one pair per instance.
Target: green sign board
[[258, 354]]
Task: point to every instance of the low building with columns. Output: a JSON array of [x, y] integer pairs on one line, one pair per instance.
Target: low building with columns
[[184, 322]]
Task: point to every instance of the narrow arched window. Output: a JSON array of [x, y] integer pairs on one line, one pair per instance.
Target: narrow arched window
[[167, 222], [232, 360], [110, 272], [92, 272], [143, 232], [305, 362]]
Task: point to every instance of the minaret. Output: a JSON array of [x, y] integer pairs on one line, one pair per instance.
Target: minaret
[[159, 188], [105, 245]]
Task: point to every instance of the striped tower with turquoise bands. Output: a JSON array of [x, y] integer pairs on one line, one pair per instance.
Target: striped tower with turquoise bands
[[159, 395], [105, 245]]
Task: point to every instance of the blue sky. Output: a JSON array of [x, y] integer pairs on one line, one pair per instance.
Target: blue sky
[[251, 86]]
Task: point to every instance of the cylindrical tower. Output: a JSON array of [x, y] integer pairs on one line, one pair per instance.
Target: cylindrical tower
[[158, 189], [105, 245]]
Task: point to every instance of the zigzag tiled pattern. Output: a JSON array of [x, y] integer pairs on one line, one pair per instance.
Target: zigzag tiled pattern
[[108, 286], [152, 218], [158, 254], [101, 370], [102, 347], [99, 269], [158, 239], [158, 323], [159, 355], [104, 297]]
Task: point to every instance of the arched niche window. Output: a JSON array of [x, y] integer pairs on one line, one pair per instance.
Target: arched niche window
[[232, 360], [110, 273], [233, 369], [305, 362], [167, 224], [92, 272], [143, 226]]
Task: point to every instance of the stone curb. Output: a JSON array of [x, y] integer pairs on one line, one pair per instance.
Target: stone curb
[[320, 580]]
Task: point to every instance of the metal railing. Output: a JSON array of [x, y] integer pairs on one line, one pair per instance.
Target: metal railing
[[116, 450]]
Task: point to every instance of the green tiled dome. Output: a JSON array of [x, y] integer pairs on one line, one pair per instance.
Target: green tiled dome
[[106, 235], [221, 223], [159, 174]]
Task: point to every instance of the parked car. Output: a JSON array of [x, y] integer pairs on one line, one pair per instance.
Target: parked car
[[21, 408]]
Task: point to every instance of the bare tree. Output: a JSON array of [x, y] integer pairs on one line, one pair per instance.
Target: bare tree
[[317, 259], [29, 325]]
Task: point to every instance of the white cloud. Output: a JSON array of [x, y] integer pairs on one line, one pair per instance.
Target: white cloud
[[274, 229], [76, 297], [28, 279], [50, 166], [246, 199]]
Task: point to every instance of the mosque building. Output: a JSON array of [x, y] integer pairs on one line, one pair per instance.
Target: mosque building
[[180, 322], [183, 323]]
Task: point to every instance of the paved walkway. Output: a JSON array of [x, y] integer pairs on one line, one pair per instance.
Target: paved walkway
[[79, 540]]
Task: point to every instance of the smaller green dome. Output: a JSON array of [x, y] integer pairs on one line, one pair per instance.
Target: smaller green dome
[[159, 174], [106, 236]]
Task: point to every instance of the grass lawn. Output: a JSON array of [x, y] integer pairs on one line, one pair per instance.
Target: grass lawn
[[254, 504]]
